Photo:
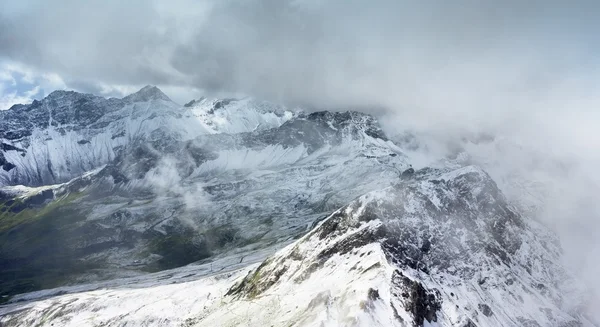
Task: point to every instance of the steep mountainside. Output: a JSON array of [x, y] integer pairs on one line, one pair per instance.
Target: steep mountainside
[[68, 133], [163, 202], [264, 216], [439, 248]]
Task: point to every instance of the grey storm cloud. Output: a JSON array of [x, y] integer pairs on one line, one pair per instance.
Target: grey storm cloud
[[89, 41], [342, 52], [320, 52]]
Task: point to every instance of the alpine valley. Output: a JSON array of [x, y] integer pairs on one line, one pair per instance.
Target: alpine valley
[[237, 212]]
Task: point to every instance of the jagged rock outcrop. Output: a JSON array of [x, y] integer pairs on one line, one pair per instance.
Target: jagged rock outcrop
[[443, 247]]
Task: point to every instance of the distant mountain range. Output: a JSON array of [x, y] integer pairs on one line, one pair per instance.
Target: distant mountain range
[[284, 218]]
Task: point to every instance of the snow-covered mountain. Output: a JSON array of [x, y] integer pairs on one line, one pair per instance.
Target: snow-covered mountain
[[268, 216], [68, 133], [439, 248], [163, 199]]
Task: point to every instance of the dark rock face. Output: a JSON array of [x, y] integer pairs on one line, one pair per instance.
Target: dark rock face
[[256, 282], [421, 303], [14, 135], [114, 173], [485, 309], [7, 166], [190, 104], [401, 241], [8, 147], [4, 163], [314, 131], [373, 294], [350, 121], [407, 173], [221, 103]]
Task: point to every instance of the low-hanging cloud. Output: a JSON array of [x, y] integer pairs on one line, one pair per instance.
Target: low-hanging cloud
[[450, 64], [166, 182]]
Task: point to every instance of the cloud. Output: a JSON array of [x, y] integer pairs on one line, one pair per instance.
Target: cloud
[[434, 56], [20, 84], [7, 100], [98, 45], [166, 182]]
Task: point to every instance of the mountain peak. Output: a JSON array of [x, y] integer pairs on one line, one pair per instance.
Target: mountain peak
[[349, 119], [194, 102], [58, 94], [147, 93]]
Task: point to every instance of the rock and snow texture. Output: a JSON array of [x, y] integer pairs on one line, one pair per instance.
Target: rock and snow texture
[[68, 133], [440, 248], [164, 202], [237, 116], [372, 242]]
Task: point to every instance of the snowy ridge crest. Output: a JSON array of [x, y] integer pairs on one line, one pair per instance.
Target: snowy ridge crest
[[147, 93], [440, 248], [68, 133]]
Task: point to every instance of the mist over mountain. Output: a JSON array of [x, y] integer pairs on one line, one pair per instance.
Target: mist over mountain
[[114, 191], [433, 163]]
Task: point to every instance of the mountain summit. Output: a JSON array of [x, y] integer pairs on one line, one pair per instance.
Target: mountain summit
[[147, 93]]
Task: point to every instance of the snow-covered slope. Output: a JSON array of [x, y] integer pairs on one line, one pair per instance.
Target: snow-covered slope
[[237, 116], [439, 248], [68, 133], [162, 204], [118, 191], [442, 247]]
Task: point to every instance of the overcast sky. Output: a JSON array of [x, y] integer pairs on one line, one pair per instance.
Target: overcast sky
[[491, 64], [393, 53]]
